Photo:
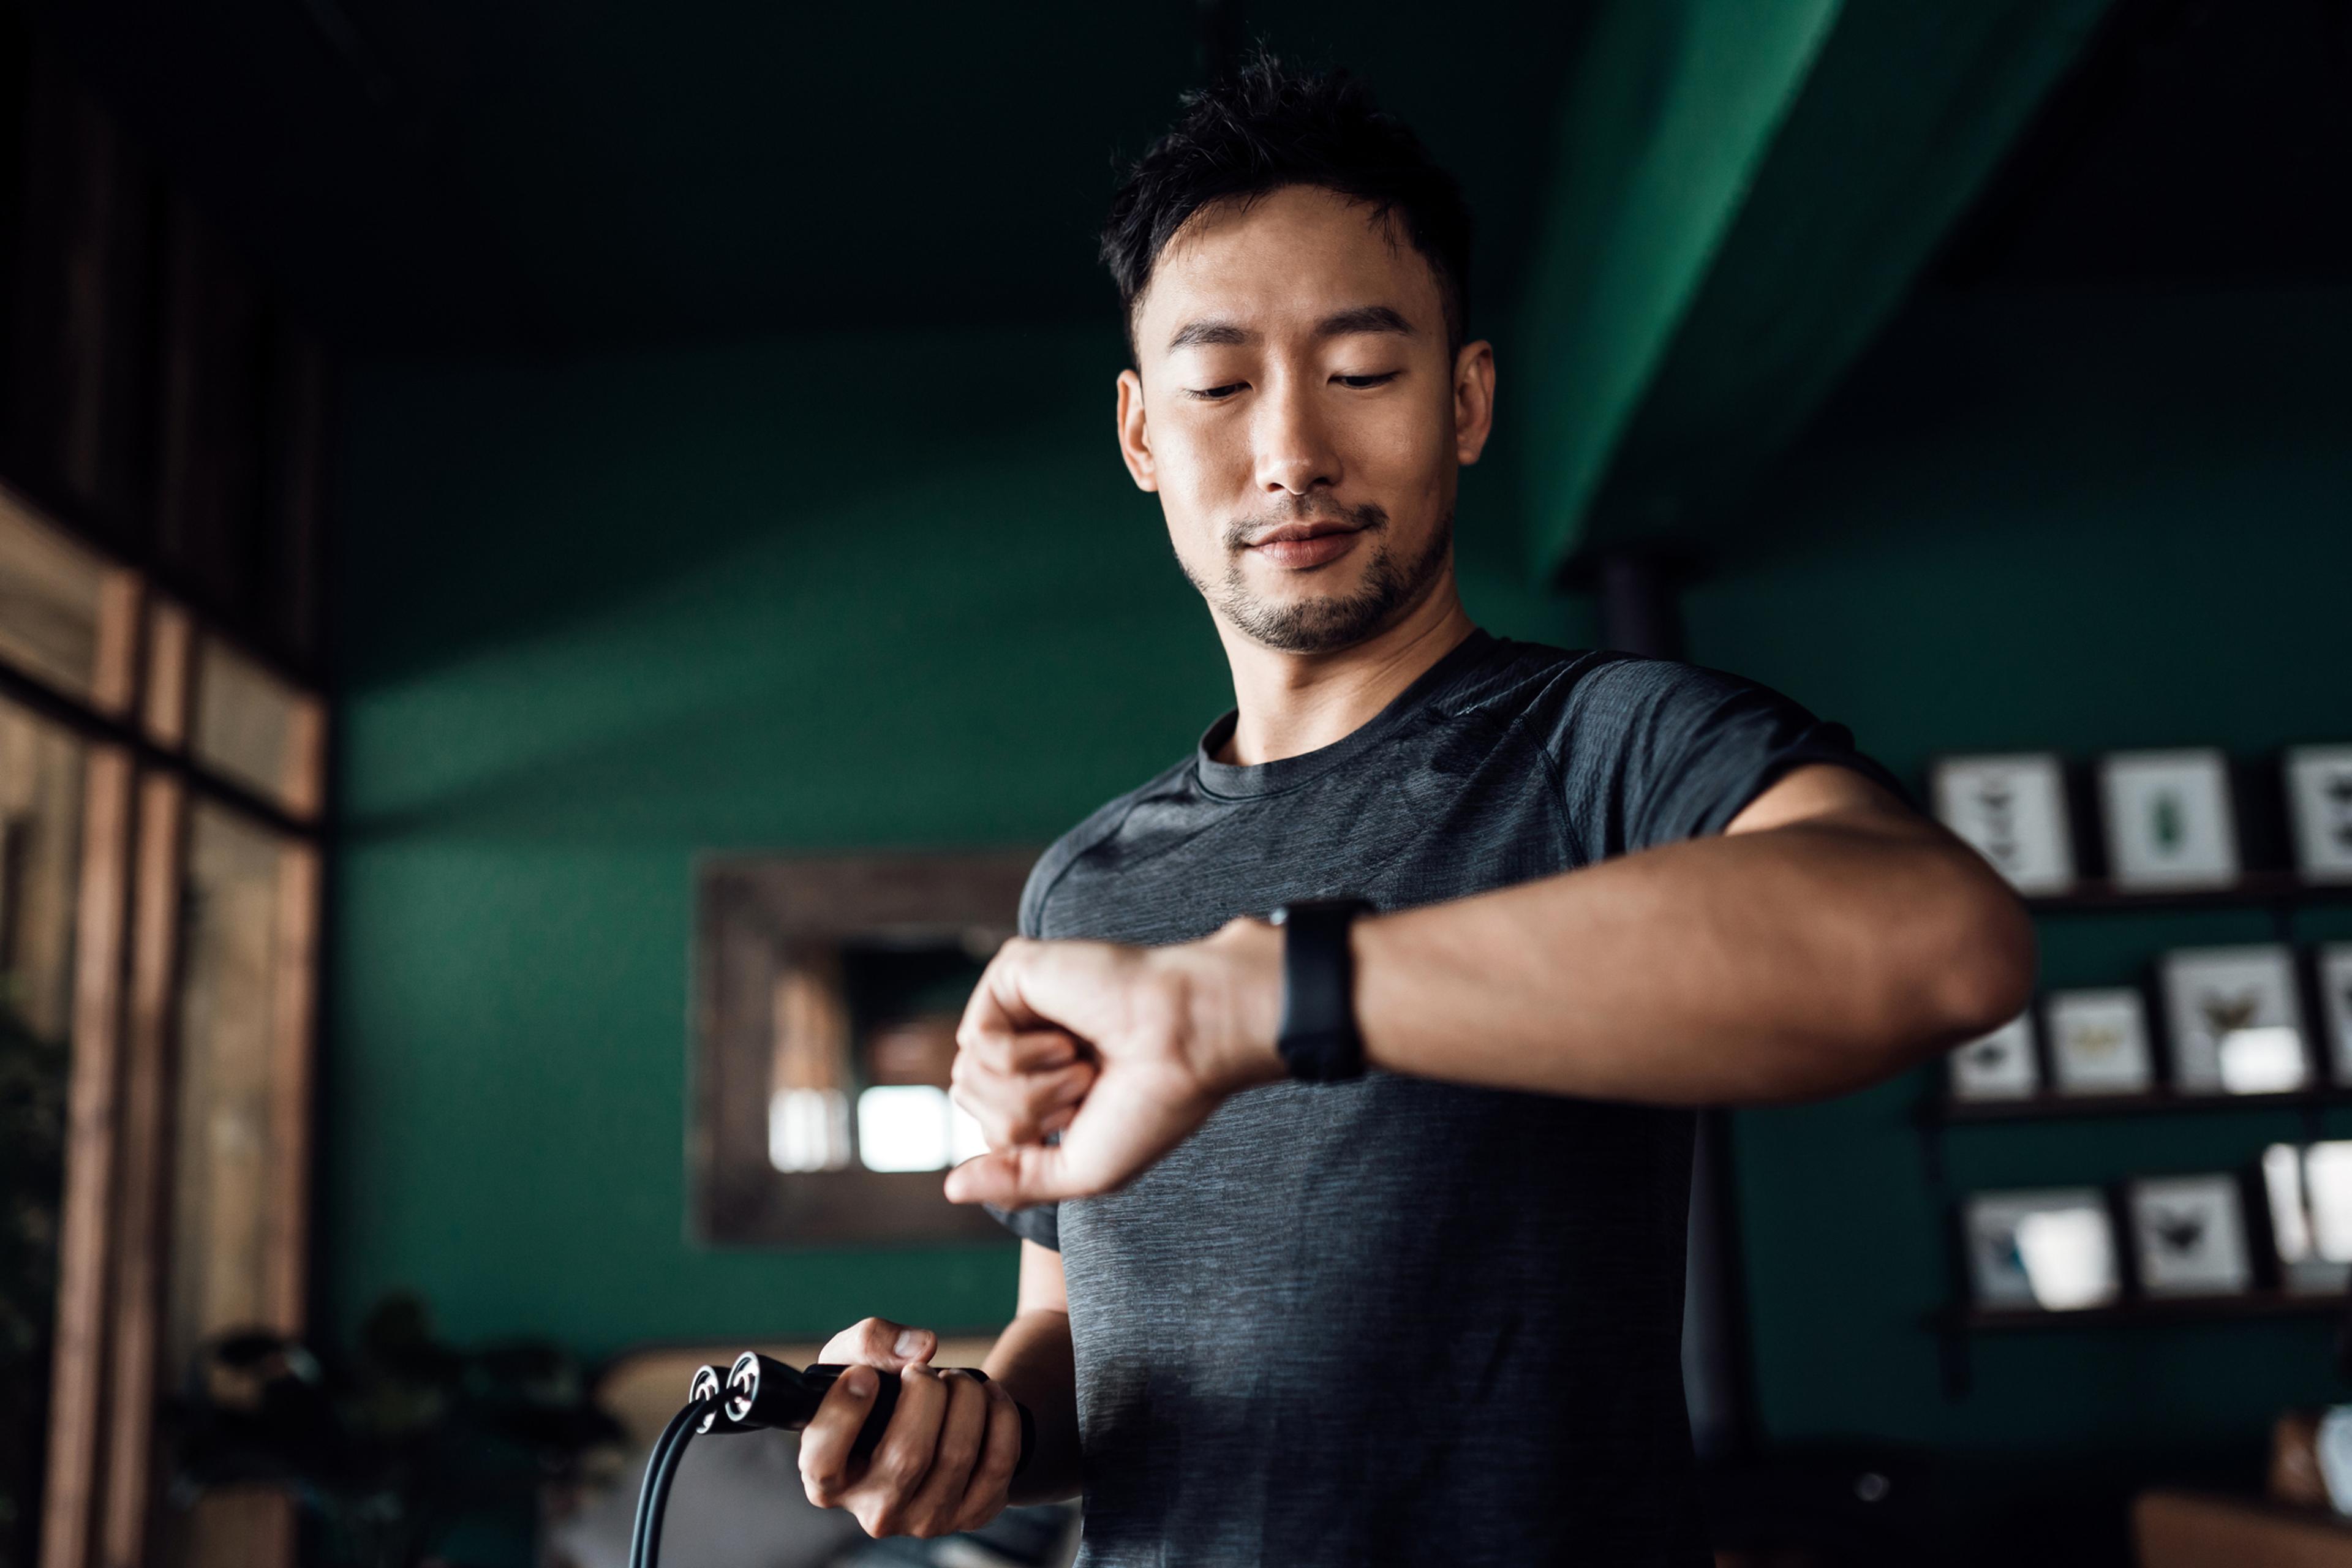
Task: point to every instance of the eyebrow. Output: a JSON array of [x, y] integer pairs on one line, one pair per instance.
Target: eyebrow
[[1215, 334]]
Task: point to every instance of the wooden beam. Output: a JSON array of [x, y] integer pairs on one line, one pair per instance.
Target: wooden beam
[[1673, 107], [78, 1372], [1717, 261], [295, 982], [142, 1232]]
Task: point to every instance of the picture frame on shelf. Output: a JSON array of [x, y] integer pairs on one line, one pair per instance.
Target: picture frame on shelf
[[2319, 804], [2049, 1249], [2233, 1017], [2010, 807], [2332, 972], [2304, 1269], [2189, 1236], [2099, 1041], [2328, 1197], [2170, 819], [1997, 1067]]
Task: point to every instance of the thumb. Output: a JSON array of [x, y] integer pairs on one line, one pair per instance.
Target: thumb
[[1009, 1178]]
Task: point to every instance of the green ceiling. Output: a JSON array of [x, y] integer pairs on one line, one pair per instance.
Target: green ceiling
[[1693, 213]]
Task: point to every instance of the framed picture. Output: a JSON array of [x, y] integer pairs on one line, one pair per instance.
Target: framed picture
[[2053, 1250], [2011, 809], [2189, 1236], [2327, 1193], [2319, 799], [2334, 969], [2098, 1042], [2169, 822], [2303, 1268], [2001, 1066], [2234, 1020]]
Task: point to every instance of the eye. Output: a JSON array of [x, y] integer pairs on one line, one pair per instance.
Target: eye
[[1216, 394], [1359, 382]]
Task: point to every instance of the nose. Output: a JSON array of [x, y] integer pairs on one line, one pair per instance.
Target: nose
[[1295, 453]]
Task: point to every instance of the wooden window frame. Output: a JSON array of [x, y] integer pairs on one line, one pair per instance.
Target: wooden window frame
[[140, 777]]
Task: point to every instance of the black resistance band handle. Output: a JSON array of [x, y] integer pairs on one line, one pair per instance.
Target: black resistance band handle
[[763, 1392]]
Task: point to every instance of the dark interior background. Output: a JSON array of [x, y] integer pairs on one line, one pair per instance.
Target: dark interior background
[[725, 466]]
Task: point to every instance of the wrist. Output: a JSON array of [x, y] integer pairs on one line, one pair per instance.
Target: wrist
[[1233, 996]]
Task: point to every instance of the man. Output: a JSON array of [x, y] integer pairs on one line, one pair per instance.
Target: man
[[1359, 1238]]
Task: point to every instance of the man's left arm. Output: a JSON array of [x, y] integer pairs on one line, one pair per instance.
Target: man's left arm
[[1828, 937]]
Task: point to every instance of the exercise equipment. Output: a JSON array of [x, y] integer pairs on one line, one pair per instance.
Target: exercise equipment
[[759, 1392]]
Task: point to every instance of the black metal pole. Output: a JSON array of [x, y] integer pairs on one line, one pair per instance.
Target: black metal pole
[[1641, 614]]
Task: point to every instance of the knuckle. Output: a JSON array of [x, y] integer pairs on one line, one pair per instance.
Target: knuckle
[[893, 1467]]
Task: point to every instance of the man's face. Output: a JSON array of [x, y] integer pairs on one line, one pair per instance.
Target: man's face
[[1300, 417]]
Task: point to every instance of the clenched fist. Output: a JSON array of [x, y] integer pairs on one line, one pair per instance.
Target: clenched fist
[[1123, 1051], [946, 1459]]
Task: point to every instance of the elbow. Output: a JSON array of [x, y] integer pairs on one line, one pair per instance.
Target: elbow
[[1985, 960]]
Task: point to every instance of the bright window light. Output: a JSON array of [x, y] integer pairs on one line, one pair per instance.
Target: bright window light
[[808, 1129], [905, 1127], [966, 1141]]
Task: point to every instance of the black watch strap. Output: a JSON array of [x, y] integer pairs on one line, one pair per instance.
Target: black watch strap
[[1318, 1040]]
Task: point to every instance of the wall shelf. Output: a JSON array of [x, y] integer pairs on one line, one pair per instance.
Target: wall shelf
[[1944, 1110], [2145, 1310], [2254, 890]]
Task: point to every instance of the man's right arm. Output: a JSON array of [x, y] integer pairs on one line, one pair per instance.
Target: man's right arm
[[1035, 1361]]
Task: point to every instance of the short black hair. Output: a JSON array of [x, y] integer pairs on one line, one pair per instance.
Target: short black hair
[[1266, 127]]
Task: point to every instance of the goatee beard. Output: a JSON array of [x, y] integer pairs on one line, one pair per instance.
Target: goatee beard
[[1328, 623]]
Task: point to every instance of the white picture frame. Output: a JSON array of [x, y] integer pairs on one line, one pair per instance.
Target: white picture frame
[[2305, 1269], [2234, 1016], [2189, 1237], [2332, 966], [2049, 1249], [2319, 804], [2099, 1042], [2010, 807], [2169, 818], [2328, 1189], [1998, 1065]]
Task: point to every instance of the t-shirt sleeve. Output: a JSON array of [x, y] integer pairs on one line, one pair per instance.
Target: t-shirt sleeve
[[1652, 751], [1042, 1222]]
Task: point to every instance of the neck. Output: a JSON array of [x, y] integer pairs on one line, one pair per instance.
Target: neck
[[1292, 703]]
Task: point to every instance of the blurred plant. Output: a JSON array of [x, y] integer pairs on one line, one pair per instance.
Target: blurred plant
[[391, 1447], [32, 1157]]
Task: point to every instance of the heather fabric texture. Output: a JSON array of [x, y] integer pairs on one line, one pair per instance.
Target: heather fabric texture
[[1395, 1321]]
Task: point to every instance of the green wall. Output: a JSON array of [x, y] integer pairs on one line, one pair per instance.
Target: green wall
[[601, 615], [2072, 522]]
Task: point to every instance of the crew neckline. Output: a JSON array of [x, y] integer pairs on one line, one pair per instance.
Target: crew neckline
[[1244, 781]]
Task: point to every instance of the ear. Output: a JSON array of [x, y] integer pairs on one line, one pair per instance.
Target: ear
[[1473, 400], [1134, 437]]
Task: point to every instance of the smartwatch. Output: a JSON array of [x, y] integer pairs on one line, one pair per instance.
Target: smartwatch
[[1319, 1041]]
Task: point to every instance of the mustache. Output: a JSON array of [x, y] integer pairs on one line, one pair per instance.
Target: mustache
[[1369, 517]]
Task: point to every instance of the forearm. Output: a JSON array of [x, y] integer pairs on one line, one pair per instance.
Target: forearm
[[1035, 1361], [1802, 961]]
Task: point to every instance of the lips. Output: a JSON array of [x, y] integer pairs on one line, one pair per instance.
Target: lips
[[1299, 546]]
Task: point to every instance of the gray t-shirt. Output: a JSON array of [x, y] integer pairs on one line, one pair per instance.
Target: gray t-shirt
[[1396, 1321]]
